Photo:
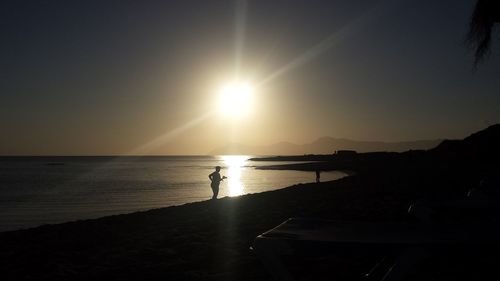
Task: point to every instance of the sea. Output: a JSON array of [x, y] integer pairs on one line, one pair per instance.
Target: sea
[[47, 190]]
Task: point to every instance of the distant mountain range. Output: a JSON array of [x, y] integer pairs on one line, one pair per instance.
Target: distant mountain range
[[324, 145]]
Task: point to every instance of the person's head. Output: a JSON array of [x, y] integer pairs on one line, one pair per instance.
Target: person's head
[[217, 168]]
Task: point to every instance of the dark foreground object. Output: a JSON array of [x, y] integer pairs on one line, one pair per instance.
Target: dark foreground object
[[288, 249]]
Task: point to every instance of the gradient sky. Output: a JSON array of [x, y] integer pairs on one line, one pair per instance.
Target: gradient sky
[[141, 77]]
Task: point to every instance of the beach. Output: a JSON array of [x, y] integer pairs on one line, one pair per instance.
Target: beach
[[36, 192], [211, 240]]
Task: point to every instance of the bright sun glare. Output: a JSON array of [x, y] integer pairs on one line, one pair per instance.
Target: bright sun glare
[[235, 99], [235, 167]]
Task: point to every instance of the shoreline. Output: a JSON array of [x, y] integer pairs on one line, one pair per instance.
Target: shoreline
[[209, 240], [347, 174], [38, 193]]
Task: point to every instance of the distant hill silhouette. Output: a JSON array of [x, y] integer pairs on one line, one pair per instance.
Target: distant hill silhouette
[[324, 145], [482, 147]]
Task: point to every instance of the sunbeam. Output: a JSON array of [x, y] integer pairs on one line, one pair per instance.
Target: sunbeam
[[239, 34], [330, 41], [162, 139], [234, 164]]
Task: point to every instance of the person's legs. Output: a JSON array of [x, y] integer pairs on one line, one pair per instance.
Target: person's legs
[[215, 190]]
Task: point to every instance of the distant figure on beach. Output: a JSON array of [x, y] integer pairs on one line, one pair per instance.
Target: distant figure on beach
[[318, 172], [216, 179]]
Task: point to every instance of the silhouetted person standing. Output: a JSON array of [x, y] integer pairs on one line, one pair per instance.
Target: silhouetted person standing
[[318, 172], [216, 179]]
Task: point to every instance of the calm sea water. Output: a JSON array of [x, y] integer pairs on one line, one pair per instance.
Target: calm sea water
[[42, 190]]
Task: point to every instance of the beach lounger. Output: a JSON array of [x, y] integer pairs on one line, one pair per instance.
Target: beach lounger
[[408, 244], [488, 188], [460, 209]]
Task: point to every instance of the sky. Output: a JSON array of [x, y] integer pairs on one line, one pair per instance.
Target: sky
[[144, 77]]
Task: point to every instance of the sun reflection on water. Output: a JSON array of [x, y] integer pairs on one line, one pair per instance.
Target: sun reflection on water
[[234, 164]]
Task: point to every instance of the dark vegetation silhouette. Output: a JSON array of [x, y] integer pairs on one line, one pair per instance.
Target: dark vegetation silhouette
[[486, 14]]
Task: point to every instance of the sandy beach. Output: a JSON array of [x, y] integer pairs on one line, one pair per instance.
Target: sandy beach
[[210, 240]]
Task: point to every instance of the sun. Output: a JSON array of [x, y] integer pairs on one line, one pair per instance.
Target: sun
[[235, 99]]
